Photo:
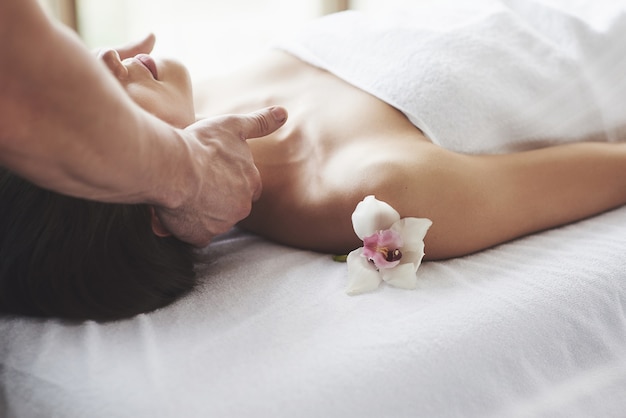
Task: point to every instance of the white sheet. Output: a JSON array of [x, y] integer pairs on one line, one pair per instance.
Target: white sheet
[[486, 76], [535, 327]]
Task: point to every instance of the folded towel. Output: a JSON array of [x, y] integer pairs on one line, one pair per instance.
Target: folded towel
[[503, 76]]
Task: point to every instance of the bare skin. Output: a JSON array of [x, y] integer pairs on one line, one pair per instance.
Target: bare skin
[[342, 144], [66, 125]]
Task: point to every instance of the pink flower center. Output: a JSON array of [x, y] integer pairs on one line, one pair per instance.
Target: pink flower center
[[383, 248]]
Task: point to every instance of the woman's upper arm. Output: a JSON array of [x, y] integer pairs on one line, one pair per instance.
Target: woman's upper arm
[[478, 201], [465, 197]]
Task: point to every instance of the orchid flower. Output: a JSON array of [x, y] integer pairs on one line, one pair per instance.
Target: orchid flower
[[392, 251]]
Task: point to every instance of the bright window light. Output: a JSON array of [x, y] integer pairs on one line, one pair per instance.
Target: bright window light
[[208, 36]]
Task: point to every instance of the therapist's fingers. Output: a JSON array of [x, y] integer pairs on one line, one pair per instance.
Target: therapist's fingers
[[143, 46], [112, 60]]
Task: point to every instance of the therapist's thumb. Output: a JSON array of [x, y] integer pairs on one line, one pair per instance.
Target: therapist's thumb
[[143, 46], [262, 122]]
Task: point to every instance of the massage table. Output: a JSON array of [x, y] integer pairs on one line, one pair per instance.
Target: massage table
[[532, 328]]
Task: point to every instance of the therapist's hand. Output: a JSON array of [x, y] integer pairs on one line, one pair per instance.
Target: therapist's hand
[[143, 46], [229, 180]]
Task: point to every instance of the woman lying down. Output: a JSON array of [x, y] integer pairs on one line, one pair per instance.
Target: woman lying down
[[451, 125]]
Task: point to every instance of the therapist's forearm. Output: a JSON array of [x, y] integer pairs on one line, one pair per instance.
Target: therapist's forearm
[[66, 124]]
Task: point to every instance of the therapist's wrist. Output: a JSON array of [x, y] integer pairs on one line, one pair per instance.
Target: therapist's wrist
[[177, 178]]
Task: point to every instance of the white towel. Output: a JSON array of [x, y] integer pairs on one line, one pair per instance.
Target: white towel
[[504, 76]]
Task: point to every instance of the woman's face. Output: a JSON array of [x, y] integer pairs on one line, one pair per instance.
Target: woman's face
[[160, 86]]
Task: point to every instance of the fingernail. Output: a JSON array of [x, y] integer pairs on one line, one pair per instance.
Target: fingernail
[[279, 114]]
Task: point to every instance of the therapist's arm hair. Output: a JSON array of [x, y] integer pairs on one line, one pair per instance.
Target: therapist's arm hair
[[77, 259]]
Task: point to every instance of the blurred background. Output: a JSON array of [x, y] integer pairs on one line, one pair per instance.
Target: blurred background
[[209, 36]]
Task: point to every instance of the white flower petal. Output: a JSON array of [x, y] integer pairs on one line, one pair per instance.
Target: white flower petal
[[413, 231], [372, 215], [402, 276], [362, 275], [413, 258]]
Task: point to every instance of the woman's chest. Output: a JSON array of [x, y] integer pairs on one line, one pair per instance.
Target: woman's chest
[[329, 121]]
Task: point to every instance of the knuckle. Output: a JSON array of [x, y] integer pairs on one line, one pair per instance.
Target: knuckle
[[242, 211], [261, 121]]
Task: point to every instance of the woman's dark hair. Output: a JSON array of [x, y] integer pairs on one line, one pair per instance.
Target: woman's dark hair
[[77, 259]]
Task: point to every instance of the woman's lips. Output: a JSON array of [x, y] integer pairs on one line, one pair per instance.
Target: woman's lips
[[149, 63]]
